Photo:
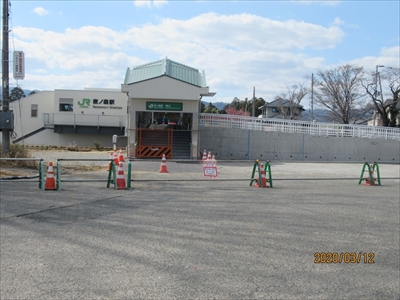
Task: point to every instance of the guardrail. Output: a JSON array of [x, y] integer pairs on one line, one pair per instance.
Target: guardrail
[[112, 179], [112, 175], [291, 126], [41, 175], [58, 172], [51, 119]]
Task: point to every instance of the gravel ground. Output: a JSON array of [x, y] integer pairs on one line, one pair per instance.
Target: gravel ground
[[53, 155]]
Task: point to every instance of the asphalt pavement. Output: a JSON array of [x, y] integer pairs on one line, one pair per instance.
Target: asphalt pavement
[[317, 234]]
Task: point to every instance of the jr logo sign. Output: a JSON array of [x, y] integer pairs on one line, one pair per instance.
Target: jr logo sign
[[85, 103]]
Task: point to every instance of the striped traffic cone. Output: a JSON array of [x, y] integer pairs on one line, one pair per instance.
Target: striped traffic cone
[[209, 155], [263, 179], [121, 155], [50, 181], [163, 167], [204, 155], [116, 162], [368, 179], [121, 184]]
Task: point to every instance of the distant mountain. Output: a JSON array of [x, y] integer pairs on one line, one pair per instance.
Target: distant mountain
[[320, 115], [219, 105], [26, 92]]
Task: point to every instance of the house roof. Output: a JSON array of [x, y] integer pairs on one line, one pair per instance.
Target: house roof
[[390, 101], [279, 103], [165, 67]]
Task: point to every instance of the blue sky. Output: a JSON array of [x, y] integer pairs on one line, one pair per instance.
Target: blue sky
[[239, 44]]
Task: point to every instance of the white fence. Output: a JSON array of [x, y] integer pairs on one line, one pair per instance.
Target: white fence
[[50, 120], [290, 126]]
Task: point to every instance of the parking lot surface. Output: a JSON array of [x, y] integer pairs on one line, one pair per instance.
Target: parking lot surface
[[317, 234]]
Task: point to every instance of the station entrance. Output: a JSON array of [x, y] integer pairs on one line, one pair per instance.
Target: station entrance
[[163, 133]]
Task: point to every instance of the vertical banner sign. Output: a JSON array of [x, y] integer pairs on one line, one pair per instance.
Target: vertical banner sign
[[19, 65]]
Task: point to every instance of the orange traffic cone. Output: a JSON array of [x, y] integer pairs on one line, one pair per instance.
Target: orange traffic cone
[[109, 163], [121, 155], [116, 162], [50, 181], [209, 155], [368, 179], [204, 155], [263, 179], [163, 167], [261, 182], [121, 184]]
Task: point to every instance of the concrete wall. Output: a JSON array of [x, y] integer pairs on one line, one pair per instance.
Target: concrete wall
[[48, 137], [242, 144]]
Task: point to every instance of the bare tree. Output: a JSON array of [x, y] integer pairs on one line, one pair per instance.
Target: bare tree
[[394, 85], [290, 102], [340, 91], [388, 110]]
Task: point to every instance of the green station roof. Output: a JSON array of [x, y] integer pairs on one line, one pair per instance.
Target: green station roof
[[165, 67]]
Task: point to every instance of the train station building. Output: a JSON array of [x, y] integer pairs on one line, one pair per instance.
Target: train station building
[[163, 109]]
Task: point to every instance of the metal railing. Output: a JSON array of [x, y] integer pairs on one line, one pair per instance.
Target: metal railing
[[41, 175], [291, 126], [51, 119]]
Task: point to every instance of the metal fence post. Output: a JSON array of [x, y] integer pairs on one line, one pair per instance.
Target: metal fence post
[[41, 175], [58, 175], [128, 186]]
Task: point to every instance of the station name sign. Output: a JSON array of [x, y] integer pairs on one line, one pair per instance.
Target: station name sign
[[19, 65], [98, 103], [170, 106]]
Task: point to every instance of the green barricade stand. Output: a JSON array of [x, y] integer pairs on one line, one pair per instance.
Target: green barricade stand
[[257, 171], [370, 179], [256, 168], [41, 175], [267, 168], [112, 175]]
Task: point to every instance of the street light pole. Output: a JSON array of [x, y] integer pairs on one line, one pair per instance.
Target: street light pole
[[376, 79]]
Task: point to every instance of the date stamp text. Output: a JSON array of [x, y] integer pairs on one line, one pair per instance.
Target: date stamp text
[[347, 257]]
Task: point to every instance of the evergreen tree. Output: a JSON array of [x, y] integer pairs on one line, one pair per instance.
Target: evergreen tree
[[16, 94]]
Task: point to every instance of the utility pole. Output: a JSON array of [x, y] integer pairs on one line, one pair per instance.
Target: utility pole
[[254, 100], [5, 81]]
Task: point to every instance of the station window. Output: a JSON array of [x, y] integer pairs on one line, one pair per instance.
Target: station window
[[66, 104], [34, 110]]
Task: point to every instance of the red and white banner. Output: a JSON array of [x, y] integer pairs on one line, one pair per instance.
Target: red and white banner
[[19, 65]]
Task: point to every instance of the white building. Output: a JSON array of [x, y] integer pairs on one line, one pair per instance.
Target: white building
[[70, 117]]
